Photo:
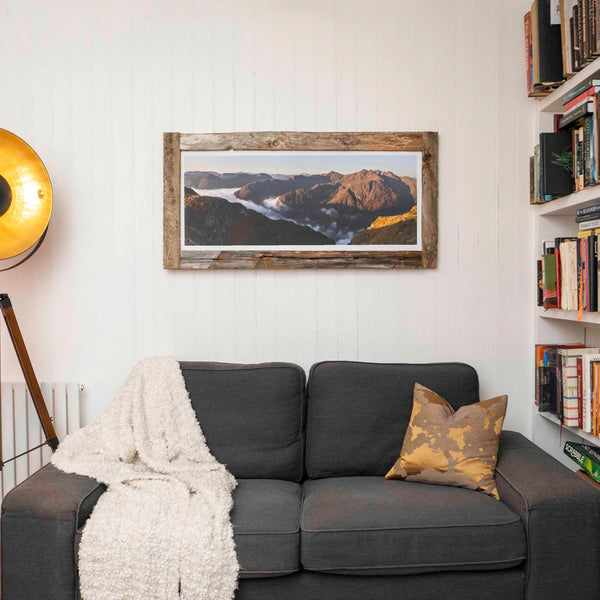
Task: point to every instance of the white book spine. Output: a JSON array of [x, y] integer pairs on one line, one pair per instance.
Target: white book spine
[[584, 225]]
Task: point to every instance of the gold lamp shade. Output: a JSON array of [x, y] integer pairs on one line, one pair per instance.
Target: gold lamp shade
[[25, 196]]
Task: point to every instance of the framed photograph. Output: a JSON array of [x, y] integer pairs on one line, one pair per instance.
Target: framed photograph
[[300, 200]]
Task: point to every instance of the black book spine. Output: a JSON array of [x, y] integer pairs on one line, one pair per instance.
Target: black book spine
[[584, 30], [577, 38], [574, 115], [588, 210], [588, 217], [549, 44]]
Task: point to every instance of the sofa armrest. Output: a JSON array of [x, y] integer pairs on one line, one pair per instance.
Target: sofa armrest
[[561, 514], [39, 520]]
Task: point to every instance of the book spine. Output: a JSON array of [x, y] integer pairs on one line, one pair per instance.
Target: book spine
[[587, 164], [584, 30], [579, 395], [595, 384], [588, 210], [590, 224], [593, 271], [585, 391], [558, 273], [559, 386], [579, 99], [580, 158], [527, 25], [576, 115], [582, 87], [588, 217], [570, 405], [577, 35]]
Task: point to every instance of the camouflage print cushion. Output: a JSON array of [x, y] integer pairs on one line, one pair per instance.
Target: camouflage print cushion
[[451, 448]]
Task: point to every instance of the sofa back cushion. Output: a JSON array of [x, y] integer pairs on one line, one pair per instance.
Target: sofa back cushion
[[252, 416], [358, 412]]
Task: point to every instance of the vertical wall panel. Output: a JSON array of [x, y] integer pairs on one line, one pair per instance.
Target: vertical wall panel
[[94, 87]]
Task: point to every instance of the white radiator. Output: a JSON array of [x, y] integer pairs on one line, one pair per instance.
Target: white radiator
[[21, 428]]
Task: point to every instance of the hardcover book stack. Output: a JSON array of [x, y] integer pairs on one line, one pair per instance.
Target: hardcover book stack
[[561, 37], [543, 47], [568, 384], [580, 119], [580, 33], [568, 272]]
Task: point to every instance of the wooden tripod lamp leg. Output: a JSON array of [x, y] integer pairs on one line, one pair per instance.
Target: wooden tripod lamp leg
[[28, 372]]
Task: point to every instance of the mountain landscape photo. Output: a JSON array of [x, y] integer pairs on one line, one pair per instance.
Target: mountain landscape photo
[[368, 206]]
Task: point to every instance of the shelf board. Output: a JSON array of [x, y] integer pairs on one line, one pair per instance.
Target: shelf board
[[588, 318], [552, 103], [578, 432], [568, 205]]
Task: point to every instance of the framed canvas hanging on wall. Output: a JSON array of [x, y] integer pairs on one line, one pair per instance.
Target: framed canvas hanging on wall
[[300, 200]]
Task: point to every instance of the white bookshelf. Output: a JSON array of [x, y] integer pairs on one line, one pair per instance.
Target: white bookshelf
[[552, 103], [588, 318], [556, 219], [588, 437]]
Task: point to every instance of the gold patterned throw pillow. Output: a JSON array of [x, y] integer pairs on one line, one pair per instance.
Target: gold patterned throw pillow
[[451, 448]]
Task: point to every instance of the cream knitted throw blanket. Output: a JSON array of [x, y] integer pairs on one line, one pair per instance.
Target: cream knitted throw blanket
[[161, 531]]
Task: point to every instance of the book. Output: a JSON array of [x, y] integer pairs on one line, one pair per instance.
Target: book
[[587, 378], [589, 250], [556, 153], [588, 210], [579, 395], [546, 40], [549, 276], [588, 217], [532, 197], [591, 224], [546, 382], [581, 98], [576, 115], [586, 456], [570, 401], [527, 26]]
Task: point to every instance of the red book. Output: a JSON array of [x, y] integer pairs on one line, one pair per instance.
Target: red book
[[589, 93], [580, 392], [527, 20]]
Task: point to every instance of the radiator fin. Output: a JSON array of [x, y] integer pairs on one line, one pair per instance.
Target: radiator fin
[[21, 429]]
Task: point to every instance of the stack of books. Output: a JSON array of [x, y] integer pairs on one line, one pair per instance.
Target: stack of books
[[568, 271], [568, 384], [580, 33], [561, 37], [580, 119], [543, 47]]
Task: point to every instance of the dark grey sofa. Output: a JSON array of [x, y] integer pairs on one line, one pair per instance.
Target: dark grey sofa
[[315, 518]]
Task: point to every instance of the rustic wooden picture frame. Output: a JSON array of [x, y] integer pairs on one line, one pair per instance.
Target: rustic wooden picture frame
[[174, 257]]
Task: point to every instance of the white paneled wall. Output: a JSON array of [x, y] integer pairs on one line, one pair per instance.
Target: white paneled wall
[[93, 85]]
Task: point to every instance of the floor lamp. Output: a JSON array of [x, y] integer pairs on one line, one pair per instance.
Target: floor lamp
[[25, 208]]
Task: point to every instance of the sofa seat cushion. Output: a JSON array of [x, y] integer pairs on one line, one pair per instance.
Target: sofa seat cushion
[[266, 527], [373, 526]]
